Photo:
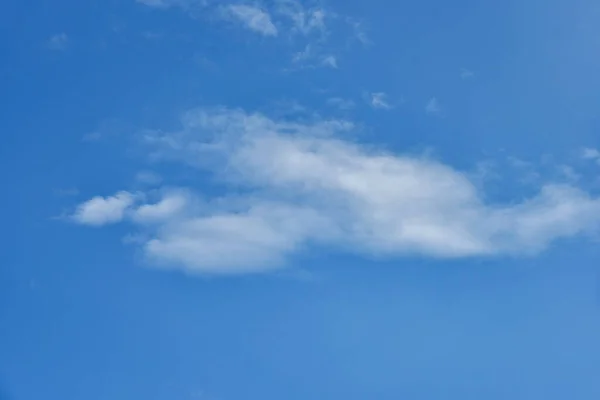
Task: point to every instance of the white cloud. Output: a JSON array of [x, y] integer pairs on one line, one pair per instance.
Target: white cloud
[[303, 55], [330, 61], [253, 18], [589, 153], [255, 239], [103, 210], [305, 185], [433, 106], [58, 42], [170, 206], [302, 27], [311, 57], [269, 18], [359, 32], [379, 100], [304, 21]]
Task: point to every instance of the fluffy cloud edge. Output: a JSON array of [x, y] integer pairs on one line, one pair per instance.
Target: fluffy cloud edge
[[307, 185], [99, 211]]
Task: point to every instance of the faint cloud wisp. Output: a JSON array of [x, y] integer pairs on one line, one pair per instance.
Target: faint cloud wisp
[[58, 42], [253, 18], [591, 154], [379, 100], [466, 74], [341, 103], [433, 107]]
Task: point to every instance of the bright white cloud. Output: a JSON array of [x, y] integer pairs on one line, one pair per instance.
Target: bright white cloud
[[305, 185], [252, 18], [103, 210], [257, 238], [170, 206], [379, 100]]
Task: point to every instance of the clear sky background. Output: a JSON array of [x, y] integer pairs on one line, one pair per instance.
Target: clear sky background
[[289, 199]]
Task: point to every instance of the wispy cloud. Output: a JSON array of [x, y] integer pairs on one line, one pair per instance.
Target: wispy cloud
[[306, 185], [433, 106], [303, 27], [156, 3], [59, 41], [311, 57], [330, 61], [341, 103], [380, 100], [303, 21], [150, 35], [288, 108], [466, 74], [358, 30], [527, 171], [316, 27], [108, 128], [589, 153], [92, 136], [303, 55], [253, 18], [568, 173], [173, 3], [148, 178], [291, 14]]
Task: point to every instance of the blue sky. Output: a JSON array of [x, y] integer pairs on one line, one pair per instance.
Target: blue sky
[[289, 199]]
